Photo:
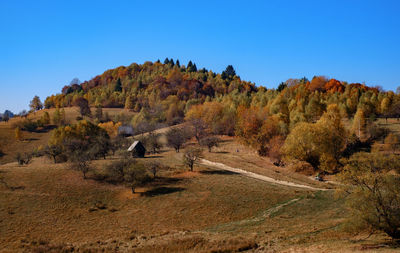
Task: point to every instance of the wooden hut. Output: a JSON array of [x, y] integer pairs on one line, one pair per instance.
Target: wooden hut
[[137, 149]]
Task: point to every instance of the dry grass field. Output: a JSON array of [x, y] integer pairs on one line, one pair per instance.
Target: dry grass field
[[47, 207]]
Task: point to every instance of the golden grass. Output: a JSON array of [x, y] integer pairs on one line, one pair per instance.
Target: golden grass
[[50, 208]]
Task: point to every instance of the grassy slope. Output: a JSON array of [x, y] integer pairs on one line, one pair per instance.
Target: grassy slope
[[182, 211]]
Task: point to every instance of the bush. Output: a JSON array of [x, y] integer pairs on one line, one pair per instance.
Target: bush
[[115, 171], [302, 167], [24, 158]]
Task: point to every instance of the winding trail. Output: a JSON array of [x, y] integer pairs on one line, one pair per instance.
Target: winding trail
[[258, 176]]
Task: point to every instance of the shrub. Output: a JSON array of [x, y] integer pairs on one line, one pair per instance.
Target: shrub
[[24, 158]]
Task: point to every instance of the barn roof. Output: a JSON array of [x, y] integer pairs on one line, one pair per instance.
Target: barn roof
[[133, 146]]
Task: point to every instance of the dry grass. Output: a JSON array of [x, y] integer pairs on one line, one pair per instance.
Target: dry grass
[[50, 208]]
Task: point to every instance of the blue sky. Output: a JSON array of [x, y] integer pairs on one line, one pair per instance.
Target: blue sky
[[45, 44]]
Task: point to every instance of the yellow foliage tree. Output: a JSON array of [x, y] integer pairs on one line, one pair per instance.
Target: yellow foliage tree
[[110, 127], [18, 134]]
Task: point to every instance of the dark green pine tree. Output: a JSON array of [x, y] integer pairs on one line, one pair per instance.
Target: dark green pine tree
[[166, 61], [190, 64], [224, 75], [171, 62], [178, 64], [158, 61], [118, 85], [230, 71]]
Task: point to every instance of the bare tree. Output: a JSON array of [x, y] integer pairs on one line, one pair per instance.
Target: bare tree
[[192, 156], [176, 137], [154, 167], [210, 142], [199, 129], [53, 151]]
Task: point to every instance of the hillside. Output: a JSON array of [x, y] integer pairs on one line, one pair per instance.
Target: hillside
[[67, 182]]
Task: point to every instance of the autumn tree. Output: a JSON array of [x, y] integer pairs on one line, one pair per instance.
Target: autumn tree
[[359, 123], [192, 156], [320, 143], [83, 105], [18, 134], [36, 104], [373, 194]]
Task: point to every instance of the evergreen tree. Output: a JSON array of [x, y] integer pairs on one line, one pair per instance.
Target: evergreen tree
[[118, 85], [166, 61], [178, 64], [172, 62], [230, 71]]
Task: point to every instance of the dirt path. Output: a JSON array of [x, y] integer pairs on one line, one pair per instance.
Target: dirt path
[[258, 176]]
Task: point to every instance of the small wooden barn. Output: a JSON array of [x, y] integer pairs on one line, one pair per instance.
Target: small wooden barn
[[137, 149]]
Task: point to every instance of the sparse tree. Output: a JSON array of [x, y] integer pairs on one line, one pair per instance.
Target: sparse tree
[[176, 137], [210, 142], [192, 156], [154, 167], [53, 151], [373, 193], [152, 142], [36, 104], [199, 128], [358, 123], [135, 176]]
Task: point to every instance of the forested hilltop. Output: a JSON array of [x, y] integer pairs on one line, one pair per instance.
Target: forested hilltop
[[167, 92]]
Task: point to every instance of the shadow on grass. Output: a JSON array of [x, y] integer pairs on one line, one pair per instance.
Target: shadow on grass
[[395, 244], [31, 139], [162, 191], [218, 172], [152, 156], [166, 180], [221, 152]]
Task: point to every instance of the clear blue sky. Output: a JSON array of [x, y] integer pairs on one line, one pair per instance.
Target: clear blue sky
[[44, 44]]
